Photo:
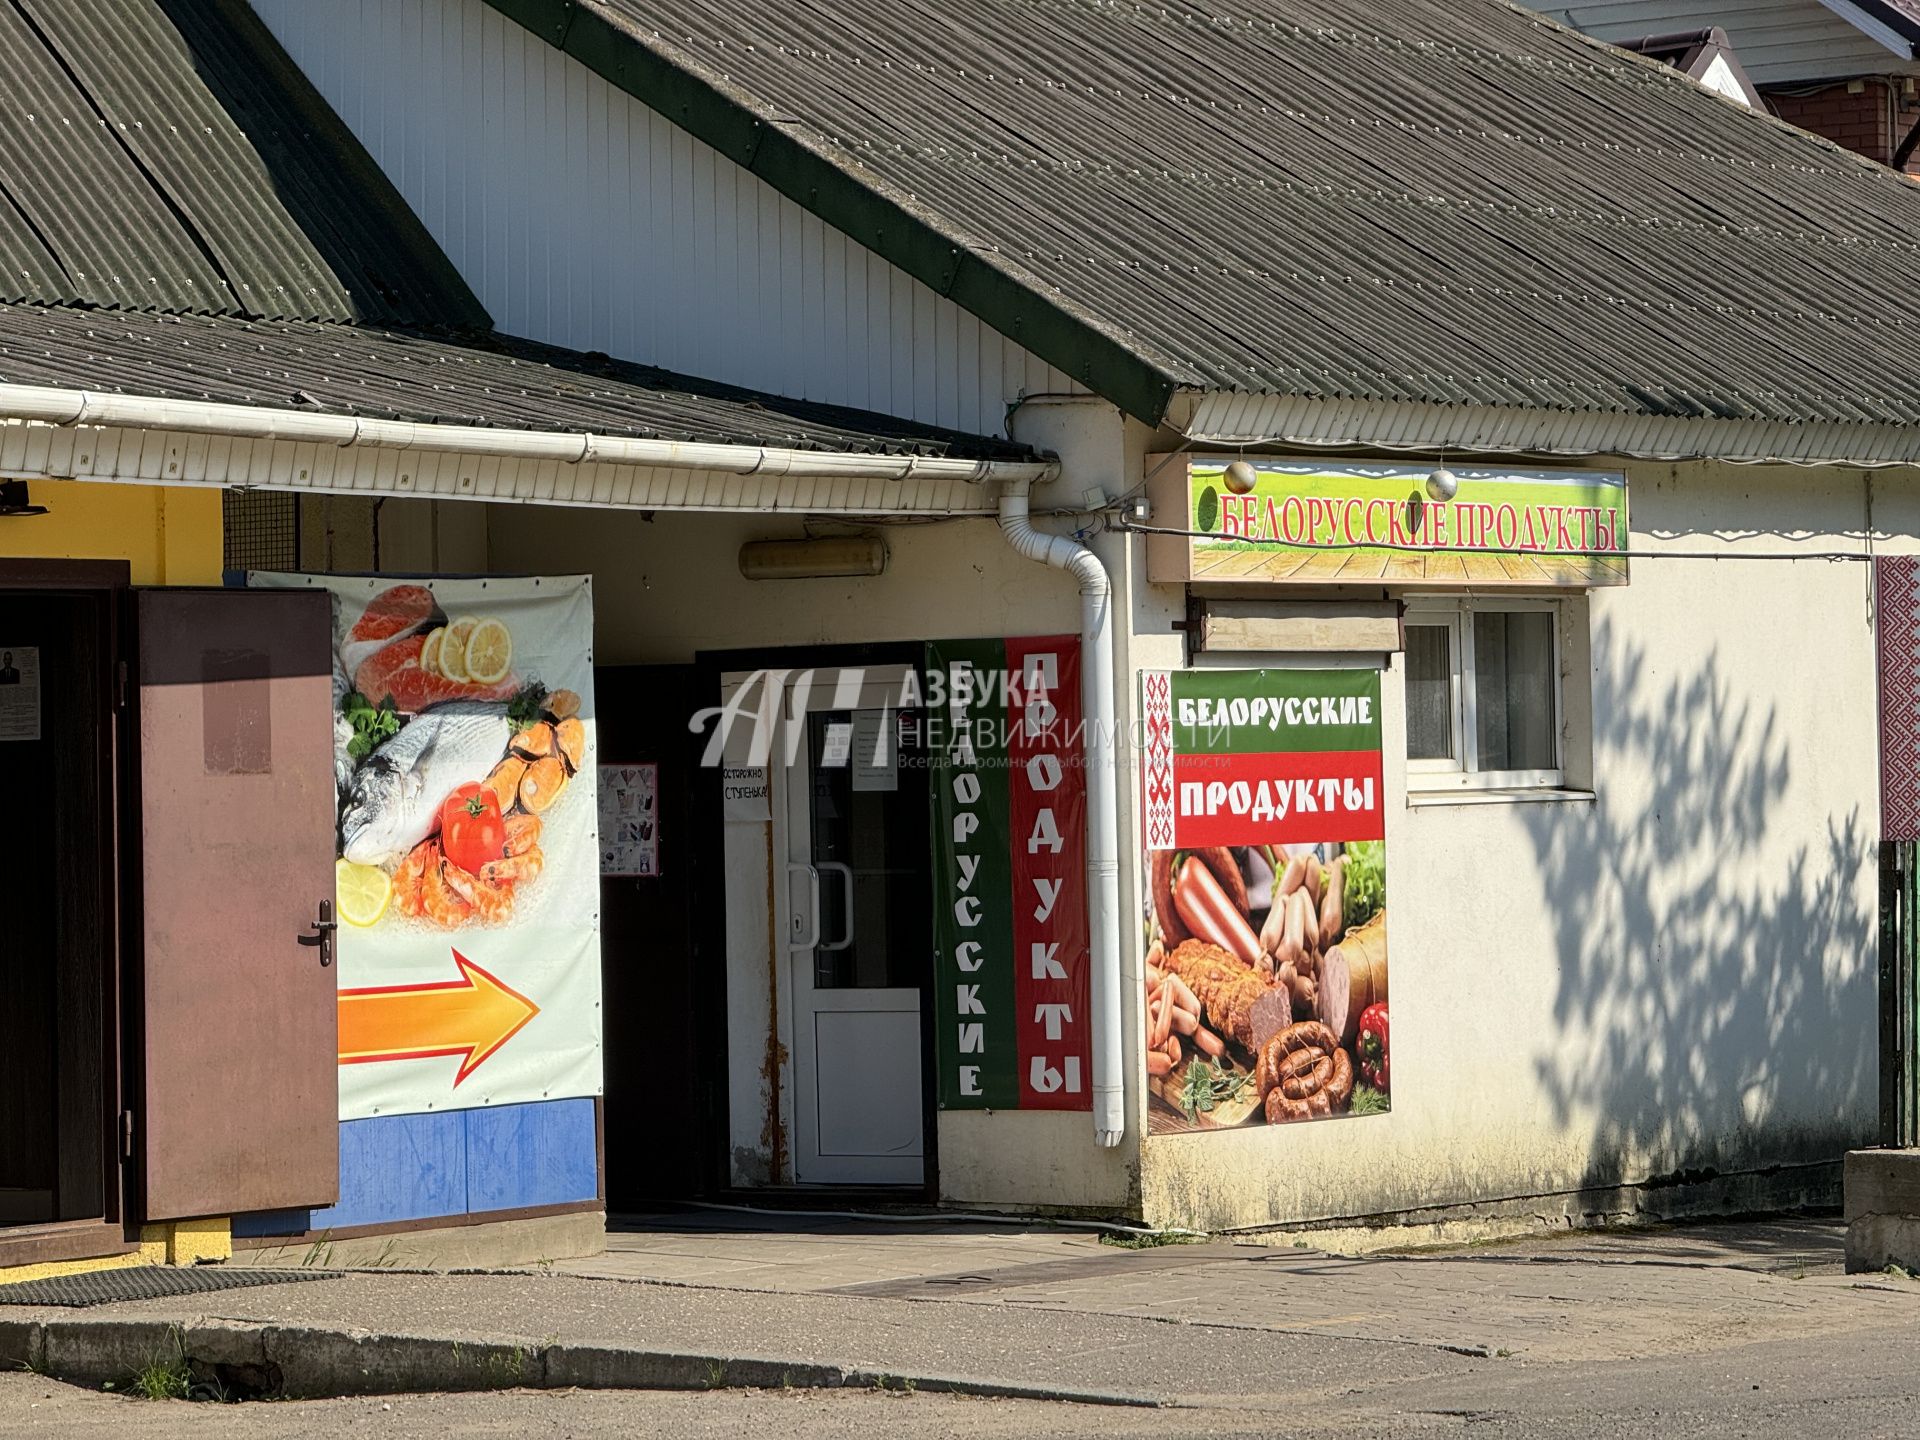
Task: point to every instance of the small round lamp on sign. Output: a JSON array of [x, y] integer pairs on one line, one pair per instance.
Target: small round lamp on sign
[[1442, 485], [1242, 477]]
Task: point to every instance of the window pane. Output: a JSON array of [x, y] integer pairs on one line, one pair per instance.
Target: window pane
[[1513, 689], [1429, 692]]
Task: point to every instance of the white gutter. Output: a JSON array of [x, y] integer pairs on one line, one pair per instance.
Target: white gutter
[[134, 412], [1103, 825]]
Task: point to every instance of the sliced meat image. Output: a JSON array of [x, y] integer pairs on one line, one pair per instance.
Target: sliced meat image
[[395, 670], [393, 614]]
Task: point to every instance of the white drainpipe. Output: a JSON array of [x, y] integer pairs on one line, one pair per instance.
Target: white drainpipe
[[1103, 824]]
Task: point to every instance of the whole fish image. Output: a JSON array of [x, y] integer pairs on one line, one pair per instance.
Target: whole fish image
[[397, 794]]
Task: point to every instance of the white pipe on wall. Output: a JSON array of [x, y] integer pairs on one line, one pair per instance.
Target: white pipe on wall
[[1103, 824], [86, 407]]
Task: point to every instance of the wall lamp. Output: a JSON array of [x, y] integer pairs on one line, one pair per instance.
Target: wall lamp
[[833, 557]]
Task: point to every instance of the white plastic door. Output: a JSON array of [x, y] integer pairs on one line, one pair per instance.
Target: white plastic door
[[857, 930]]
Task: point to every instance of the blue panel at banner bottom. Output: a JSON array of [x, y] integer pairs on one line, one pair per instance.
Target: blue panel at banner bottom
[[399, 1167], [451, 1163], [523, 1155]]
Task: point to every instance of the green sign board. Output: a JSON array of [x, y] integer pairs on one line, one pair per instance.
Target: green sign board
[[1265, 520]]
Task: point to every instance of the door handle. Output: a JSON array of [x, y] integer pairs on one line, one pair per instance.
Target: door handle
[[321, 934], [811, 937], [846, 883]]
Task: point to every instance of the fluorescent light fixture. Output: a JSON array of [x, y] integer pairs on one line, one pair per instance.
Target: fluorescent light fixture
[[838, 556]]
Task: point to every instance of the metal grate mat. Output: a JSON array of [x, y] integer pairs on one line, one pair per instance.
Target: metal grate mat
[[146, 1282]]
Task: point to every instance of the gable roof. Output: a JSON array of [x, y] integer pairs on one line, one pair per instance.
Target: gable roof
[[1425, 201], [1703, 55], [183, 217]]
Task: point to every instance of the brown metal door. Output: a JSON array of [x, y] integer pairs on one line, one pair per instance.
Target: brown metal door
[[240, 1107]]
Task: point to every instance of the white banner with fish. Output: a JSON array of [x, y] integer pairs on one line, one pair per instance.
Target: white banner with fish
[[468, 878]]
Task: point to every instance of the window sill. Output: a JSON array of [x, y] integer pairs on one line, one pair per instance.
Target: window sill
[[1418, 799]]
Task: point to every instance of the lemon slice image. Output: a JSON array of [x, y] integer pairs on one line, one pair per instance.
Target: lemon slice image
[[430, 650], [489, 652], [453, 648], [361, 892]]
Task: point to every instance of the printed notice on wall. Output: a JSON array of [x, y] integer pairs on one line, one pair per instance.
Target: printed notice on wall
[[19, 692], [629, 820], [1265, 994], [874, 764], [746, 794]]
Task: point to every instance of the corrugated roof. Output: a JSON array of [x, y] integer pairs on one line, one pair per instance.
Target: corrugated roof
[[182, 217], [166, 155], [1448, 201], [408, 375]]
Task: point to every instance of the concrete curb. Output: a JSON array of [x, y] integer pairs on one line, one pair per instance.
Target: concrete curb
[[301, 1362]]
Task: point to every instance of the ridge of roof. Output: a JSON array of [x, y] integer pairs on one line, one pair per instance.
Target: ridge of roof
[[1410, 201]]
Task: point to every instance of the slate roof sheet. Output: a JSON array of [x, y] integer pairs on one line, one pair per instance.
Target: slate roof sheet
[[1449, 201], [182, 216], [414, 375], [165, 154]]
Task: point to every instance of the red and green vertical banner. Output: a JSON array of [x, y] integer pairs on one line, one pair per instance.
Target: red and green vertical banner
[[1010, 902]]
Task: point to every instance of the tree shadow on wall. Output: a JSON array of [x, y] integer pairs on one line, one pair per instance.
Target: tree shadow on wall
[[1717, 993]]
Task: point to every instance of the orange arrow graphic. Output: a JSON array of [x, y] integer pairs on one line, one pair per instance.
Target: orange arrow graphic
[[472, 1016]]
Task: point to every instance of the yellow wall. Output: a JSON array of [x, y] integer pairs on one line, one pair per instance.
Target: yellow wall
[[170, 535]]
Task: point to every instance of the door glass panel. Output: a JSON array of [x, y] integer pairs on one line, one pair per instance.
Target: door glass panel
[[868, 830]]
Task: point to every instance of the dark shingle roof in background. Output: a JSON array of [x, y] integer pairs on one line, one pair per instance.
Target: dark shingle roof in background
[[401, 375], [165, 155], [1407, 200]]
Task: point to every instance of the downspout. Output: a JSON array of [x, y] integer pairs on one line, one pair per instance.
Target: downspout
[[1103, 825]]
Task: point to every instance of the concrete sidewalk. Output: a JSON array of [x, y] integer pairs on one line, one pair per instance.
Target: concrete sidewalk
[[697, 1302]]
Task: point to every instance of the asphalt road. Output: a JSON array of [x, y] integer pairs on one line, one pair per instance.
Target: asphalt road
[[1856, 1384]]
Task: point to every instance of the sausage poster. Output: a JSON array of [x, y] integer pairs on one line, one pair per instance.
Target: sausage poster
[[1011, 980], [1266, 897], [467, 878]]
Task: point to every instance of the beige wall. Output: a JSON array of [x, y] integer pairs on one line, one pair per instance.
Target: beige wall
[[668, 588], [1677, 975]]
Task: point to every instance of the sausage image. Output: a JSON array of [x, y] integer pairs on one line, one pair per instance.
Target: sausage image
[[1209, 914]]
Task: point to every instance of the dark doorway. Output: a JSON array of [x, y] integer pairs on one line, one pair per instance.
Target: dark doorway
[[662, 991], [56, 930]]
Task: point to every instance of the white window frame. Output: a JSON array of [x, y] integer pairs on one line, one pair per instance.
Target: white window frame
[[1462, 771]]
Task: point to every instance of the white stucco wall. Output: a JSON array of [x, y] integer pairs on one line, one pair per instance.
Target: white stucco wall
[[1679, 975]]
